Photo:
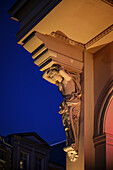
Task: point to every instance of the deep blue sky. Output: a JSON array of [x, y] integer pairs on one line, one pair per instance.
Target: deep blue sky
[[27, 102]]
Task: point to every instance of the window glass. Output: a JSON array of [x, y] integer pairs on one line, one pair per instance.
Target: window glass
[[2, 154], [38, 164], [24, 160]]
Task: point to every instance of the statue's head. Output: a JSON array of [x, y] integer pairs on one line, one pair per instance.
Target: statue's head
[[54, 74]]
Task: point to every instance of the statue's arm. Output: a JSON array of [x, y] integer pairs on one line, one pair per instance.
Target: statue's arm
[[46, 77], [63, 73]]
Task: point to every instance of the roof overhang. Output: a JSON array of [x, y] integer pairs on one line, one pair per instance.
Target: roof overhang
[[87, 21]]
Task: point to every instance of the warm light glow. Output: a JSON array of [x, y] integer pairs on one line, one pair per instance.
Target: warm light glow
[[109, 119], [21, 165]]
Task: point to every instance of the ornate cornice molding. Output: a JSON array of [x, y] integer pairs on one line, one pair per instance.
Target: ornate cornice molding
[[66, 39], [99, 36], [43, 8], [110, 2], [89, 43]]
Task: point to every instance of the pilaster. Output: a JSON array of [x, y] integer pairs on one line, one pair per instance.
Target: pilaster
[[86, 159], [88, 111]]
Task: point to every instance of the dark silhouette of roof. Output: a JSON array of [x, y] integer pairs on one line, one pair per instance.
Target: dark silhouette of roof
[[57, 154], [29, 135]]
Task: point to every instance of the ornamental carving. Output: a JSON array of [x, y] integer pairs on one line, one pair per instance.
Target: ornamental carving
[[70, 88]]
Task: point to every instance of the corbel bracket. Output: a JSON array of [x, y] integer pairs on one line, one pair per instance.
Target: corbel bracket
[[61, 60]]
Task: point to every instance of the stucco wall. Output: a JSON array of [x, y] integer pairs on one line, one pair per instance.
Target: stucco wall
[[103, 69]]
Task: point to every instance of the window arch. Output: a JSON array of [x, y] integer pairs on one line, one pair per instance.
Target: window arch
[[108, 125], [102, 108]]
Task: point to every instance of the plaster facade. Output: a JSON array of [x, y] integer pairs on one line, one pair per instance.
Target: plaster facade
[[77, 35]]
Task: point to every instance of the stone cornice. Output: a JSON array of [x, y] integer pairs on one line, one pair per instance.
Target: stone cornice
[[42, 10], [99, 36], [110, 2], [30, 15], [66, 39], [89, 43]]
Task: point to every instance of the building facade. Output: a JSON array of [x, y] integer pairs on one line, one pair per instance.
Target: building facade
[[28, 151], [5, 154], [72, 43]]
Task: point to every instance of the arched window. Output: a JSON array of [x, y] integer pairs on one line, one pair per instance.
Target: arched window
[[101, 110], [108, 125], [103, 130]]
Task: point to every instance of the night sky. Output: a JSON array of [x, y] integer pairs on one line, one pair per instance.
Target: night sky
[[28, 103]]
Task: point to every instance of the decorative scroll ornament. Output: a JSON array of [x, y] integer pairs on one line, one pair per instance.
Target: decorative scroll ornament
[[70, 88]]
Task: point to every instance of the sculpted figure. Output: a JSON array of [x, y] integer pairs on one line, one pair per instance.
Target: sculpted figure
[[69, 86]]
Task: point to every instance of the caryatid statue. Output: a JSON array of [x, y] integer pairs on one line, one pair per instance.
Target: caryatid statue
[[70, 88]]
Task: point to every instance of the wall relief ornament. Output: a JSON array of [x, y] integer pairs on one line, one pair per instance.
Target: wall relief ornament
[[70, 88]]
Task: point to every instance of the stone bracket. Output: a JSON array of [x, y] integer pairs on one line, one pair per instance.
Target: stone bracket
[[62, 64]]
